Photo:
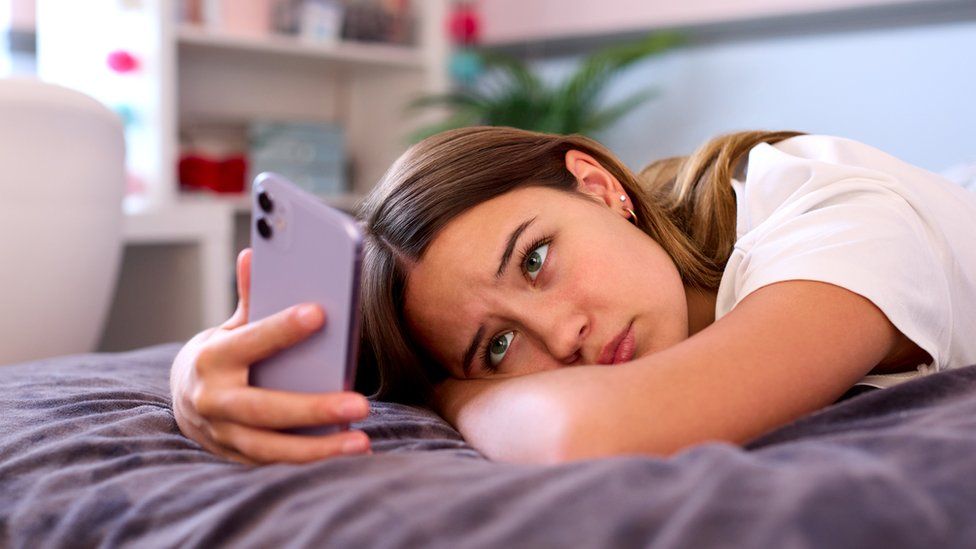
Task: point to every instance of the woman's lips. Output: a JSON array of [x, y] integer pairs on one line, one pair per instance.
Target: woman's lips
[[620, 349], [625, 351]]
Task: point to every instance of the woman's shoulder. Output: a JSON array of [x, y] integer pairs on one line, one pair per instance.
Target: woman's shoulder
[[802, 169], [824, 151], [815, 168]]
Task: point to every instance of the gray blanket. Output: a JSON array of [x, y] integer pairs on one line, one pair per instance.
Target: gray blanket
[[90, 456]]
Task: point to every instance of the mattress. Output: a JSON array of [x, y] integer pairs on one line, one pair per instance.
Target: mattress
[[90, 455]]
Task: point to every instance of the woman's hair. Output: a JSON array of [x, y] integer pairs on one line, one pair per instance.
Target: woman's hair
[[685, 204]]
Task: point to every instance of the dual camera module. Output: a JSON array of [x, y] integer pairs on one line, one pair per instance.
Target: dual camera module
[[267, 206]]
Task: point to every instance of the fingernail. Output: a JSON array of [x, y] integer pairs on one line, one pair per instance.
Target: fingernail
[[355, 445], [354, 408], [309, 316]]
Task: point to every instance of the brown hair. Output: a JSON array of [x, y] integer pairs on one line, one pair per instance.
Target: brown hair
[[685, 204]]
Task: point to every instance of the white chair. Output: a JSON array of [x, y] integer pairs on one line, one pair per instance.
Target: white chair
[[62, 173]]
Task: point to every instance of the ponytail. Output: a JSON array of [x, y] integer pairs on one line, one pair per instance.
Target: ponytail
[[696, 193]]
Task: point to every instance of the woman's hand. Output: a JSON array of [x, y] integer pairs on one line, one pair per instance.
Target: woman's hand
[[215, 406]]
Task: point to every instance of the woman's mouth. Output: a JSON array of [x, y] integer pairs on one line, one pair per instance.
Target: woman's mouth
[[620, 349]]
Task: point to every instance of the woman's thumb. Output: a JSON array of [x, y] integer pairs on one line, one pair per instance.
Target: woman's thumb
[[243, 291]]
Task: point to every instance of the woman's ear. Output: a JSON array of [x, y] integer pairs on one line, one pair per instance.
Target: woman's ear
[[594, 180]]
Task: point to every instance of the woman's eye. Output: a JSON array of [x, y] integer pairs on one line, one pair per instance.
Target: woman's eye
[[533, 262], [498, 347]]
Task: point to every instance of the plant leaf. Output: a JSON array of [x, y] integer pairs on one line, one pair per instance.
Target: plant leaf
[[514, 69], [511, 94], [594, 72]]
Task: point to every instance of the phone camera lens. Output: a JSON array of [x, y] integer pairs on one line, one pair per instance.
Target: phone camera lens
[[264, 228], [265, 202]]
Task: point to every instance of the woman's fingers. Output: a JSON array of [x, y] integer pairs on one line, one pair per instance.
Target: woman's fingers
[[257, 340], [239, 318], [265, 446], [270, 409]]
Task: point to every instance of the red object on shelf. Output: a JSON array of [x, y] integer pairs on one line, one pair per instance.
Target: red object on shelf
[[464, 25], [122, 61], [233, 172], [226, 175]]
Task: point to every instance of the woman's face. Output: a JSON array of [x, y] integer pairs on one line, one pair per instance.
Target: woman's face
[[538, 279]]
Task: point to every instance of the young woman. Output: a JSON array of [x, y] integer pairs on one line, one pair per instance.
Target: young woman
[[553, 305]]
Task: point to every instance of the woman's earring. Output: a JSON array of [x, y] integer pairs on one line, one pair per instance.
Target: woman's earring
[[633, 216]]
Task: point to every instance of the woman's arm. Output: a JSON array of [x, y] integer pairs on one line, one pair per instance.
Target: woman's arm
[[786, 350]]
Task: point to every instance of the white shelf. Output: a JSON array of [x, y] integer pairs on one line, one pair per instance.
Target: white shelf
[[354, 54], [180, 248]]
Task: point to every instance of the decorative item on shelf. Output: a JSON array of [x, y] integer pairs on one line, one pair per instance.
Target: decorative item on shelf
[[520, 98], [312, 155], [122, 61], [224, 175], [127, 114], [387, 21], [213, 158], [465, 66], [321, 20], [243, 17], [286, 16], [190, 12], [464, 26]]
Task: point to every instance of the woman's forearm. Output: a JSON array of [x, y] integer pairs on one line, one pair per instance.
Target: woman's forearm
[[761, 367], [644, 407], [581, 412], [516, 419]]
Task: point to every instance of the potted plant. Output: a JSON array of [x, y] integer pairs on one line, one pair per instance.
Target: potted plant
[[510, 94]]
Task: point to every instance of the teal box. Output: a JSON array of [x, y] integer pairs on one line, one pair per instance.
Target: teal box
[[312, 155]]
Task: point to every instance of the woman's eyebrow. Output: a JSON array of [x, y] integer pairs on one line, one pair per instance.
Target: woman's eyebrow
[[469, 353], [512, 240], [502, 265]]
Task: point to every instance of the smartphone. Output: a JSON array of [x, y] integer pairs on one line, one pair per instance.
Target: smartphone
[[304, 251]]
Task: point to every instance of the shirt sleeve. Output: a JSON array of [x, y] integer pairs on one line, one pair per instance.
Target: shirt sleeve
[[858, 234]]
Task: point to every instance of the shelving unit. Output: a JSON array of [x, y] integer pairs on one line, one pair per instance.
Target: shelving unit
[[193, 75], [351, 55]]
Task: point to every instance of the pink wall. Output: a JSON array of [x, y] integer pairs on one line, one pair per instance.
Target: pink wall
[[517, 20]]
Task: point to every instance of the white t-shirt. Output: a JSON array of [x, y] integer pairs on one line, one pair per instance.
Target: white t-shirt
[[834, 210]]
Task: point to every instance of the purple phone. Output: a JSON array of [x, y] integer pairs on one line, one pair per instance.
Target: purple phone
[[305, 251]]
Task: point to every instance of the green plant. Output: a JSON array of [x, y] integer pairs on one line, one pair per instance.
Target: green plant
[[510, 94]]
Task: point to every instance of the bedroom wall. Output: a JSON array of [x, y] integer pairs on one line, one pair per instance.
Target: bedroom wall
[[909, 90]]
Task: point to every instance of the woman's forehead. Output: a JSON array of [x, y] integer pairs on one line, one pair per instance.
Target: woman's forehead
[[485, 227], [464, 250], [453, 284]]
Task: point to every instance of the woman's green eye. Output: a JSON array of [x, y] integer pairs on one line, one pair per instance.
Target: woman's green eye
[[499, 346], [533, 262]]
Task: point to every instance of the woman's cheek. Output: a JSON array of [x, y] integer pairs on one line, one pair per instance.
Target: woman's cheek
[[530, 359]]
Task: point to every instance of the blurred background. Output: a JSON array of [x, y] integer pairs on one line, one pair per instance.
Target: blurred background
[[208, 93]]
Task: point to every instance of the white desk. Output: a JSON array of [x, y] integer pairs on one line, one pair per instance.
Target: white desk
[[178, 269], [177, 275]]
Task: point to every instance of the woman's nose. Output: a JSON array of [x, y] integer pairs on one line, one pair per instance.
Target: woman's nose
[[564, 335]]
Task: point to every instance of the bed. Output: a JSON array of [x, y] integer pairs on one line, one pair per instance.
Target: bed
[[90, 455]]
